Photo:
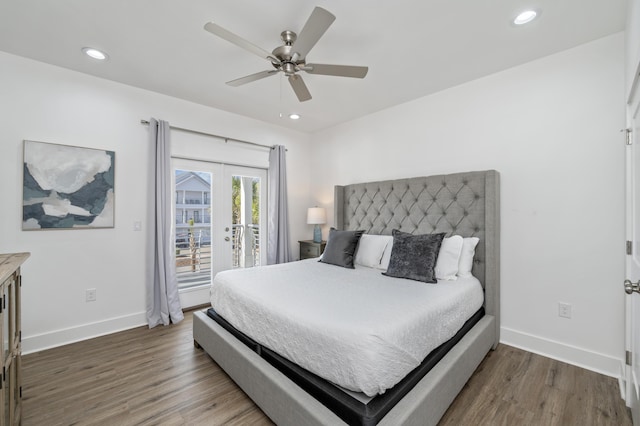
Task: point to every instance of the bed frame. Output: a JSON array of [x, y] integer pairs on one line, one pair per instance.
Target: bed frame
[[466, 204]]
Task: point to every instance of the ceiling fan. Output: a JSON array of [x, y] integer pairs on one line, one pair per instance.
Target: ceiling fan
[[290, 58]]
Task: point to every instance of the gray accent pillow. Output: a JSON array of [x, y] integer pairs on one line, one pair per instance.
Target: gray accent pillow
[[414, 256], [341, 246]]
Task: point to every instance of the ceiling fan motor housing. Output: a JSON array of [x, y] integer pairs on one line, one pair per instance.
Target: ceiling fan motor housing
[[284, 53]]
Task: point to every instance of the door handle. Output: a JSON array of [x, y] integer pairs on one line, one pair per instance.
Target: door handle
[[227, 239], [630, 287]]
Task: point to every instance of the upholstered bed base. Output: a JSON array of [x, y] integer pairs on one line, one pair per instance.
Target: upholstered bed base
[[357, 411], [466, 204], [287, 404]]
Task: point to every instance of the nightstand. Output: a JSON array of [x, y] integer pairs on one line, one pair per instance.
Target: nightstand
[[309, 249]]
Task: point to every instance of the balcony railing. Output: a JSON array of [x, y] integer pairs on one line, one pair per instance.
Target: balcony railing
[[198, 202], [255, 247], [183, 219], [193, 257], [194, 253], [252, 257]]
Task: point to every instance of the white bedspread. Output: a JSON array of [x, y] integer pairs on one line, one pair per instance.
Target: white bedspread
[[354, 327]]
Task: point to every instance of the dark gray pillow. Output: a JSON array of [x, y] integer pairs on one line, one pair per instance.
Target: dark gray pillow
[[341, 246], [414, 256]]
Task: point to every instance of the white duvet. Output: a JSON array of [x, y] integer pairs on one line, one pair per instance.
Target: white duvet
[[354, 327]]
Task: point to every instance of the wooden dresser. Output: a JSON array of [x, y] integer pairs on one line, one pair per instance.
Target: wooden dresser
[[10, 338]]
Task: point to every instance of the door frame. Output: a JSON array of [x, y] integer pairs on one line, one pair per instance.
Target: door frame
[[632, 256]]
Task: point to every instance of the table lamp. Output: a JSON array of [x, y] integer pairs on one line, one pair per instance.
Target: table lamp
[[316, 216]]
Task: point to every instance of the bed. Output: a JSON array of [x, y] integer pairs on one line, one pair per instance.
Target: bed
[[465, 204]]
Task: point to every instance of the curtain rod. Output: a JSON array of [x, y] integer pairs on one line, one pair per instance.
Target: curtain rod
[[197, 132]]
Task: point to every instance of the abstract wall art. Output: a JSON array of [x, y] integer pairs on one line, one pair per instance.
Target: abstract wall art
[[67, 187]]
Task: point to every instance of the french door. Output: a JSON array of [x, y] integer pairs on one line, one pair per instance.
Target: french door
[[220, 223]]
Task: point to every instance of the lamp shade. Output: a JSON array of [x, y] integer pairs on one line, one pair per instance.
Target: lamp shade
[[316, 215]]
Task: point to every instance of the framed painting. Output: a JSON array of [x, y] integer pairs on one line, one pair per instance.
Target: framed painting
[[67, 187]]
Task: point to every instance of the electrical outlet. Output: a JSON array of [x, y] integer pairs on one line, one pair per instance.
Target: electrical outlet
[[91, 295], [137, 225], [564, 310]]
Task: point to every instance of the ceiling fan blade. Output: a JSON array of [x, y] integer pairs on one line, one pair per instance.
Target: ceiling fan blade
[[249, 78], [316, 25], [337, 70], [299, 87], [216, 29]]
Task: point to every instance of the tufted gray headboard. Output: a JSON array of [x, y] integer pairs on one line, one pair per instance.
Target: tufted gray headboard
[[466, 204]]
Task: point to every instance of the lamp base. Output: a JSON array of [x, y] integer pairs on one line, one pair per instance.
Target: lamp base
[[317, 234]]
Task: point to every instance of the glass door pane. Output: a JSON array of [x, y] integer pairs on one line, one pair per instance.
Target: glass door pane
[[247, 208], [193, 227]]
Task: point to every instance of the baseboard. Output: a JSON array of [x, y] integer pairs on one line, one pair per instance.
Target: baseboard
[[600, 363], [622, 383], [65, 336]]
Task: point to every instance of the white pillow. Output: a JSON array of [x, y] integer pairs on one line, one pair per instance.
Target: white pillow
[[386, 256], [466, 257], [448, 258], [371, 249]]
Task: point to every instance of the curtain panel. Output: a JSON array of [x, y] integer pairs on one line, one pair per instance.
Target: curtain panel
[[278, 250], [163, 302]]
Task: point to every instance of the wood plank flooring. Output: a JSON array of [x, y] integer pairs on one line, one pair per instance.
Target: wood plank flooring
[[157, 377], [515, 387]]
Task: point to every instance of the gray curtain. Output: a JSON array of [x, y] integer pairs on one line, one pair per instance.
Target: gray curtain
[[278, 250], [163, 303]]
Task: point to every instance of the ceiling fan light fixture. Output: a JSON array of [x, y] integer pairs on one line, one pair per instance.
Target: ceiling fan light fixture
[[525, 17], [95, 53]]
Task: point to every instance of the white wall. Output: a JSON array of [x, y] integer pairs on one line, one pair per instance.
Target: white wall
[[50, 104], [551, 128], [632, 45]]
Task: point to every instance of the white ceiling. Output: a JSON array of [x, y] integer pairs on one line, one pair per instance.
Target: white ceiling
[[412, 47]]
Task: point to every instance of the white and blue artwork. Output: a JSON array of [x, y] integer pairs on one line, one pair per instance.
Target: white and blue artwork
[[67, 187]]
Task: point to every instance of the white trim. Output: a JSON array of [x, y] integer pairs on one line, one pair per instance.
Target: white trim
[[623, 387], [224, 163], [65, 336], [581, 357], [194, 296]]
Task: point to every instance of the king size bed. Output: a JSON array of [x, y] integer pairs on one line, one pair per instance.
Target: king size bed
[[313, 343]]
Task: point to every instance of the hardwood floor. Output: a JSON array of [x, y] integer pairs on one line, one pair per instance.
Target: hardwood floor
[[135, 377], [157, 377], [515, 387]]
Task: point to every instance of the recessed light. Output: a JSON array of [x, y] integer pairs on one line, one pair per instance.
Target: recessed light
[[294, 116], [525, 17], [94, 53]]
